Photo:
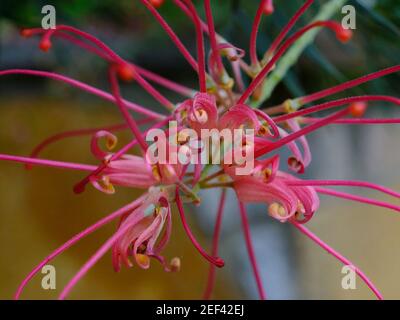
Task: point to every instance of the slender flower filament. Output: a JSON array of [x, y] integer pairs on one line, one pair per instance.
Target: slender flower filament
[[347, 183], [264, 71], [347, 85], [213, 37], [254, 32], [214, 251], [278, 40], [348, 196], [214, 260], [175, 39], [85, 87], [335, 103], [302, 132], [74, 240], [250, 250], [47, 163]]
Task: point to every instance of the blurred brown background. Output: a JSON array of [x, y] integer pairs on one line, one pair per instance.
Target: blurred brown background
[[40, 212]]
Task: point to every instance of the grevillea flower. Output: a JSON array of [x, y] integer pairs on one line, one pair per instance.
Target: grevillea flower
[[222, 102], [140, 230], [128, 171], [266, 184]]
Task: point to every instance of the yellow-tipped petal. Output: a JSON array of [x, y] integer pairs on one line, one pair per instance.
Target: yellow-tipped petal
[[142, 259]]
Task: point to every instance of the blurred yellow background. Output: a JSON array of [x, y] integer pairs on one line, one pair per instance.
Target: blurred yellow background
[[39, 212]]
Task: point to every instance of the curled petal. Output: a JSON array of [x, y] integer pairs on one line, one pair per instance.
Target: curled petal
[[233, 53], [296, 161], [295, 164], [269, 121], [294, 126], [267, 168], [237, 116], [308, 200], [286, 201], [241, 115], [198, 113], [203, 113], [250, 189], [103, 184], [110, 139]]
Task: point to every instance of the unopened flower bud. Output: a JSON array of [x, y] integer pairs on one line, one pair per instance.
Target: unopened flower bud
[[26, 33], [268, 8], [126, 72], [45, 45], [156, 3], [344, 35], [357, 109]]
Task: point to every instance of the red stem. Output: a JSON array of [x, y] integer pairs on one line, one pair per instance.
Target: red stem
[[254, 32], [338, 256], [356, 121], [72, 133], [109, 55], [335, 103], [212, 35], [175, 39], [214, 251], [275, 44], [106, 49], [145, 73], [128, 208], [79, 132], [214, 260], [346, 183], [352, 197], [153, 92], [122, 107], [349, 84], [200, 46], [183, 90], [293, 136], [85, 87], [250, 250], [264, 71]]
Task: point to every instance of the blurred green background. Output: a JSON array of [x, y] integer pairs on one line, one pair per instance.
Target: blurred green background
[[38, 210]]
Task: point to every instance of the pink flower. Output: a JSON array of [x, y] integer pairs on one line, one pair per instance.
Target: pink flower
[[268, 185], [129, 170], [142, 229]]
